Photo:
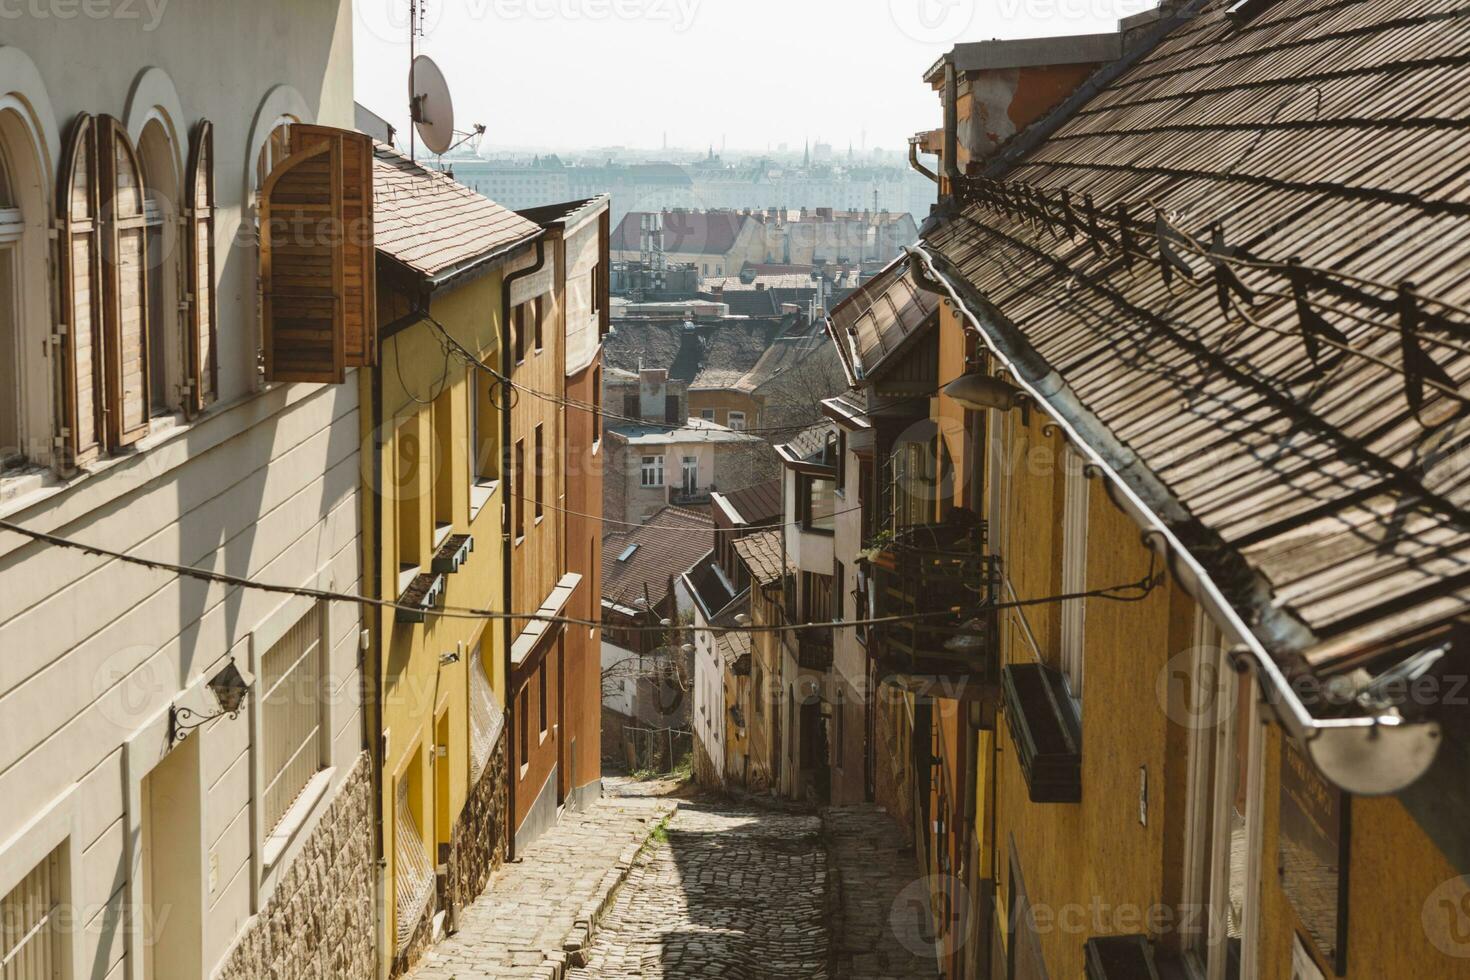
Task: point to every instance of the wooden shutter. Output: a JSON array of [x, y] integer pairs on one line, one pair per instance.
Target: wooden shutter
[[80, 275], [317, 262], [203, 312], [125, 284]]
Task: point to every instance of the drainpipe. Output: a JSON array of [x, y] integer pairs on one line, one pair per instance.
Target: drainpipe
[[507, 366], [951, 128], [914, 162], [368, 673], [1365, 755]]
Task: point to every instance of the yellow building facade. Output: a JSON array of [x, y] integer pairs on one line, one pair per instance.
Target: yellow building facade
[[433, 529]]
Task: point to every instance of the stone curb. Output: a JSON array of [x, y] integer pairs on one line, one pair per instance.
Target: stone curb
[[584, 928]]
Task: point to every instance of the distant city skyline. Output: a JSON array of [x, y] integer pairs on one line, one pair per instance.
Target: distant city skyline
[[742, 75]]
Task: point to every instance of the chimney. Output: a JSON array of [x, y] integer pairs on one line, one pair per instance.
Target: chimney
[[653, 386], [1009, 85]]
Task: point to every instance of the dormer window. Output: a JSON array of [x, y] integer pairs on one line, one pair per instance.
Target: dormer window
[[815, 502]]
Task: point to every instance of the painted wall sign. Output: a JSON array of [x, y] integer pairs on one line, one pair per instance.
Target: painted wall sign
[[1312, 853]]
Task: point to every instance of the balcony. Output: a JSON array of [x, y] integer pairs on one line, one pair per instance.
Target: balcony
[[939, 572]]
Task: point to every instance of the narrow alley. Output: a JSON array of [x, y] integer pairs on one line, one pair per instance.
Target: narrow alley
[[693, 886]]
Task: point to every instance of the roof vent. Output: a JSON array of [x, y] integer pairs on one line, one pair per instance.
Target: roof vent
[[1242, 12]]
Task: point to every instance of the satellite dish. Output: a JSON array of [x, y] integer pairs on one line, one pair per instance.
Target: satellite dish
[[429, 105]]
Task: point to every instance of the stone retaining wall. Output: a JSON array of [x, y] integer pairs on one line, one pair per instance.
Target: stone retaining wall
[[320, 921]]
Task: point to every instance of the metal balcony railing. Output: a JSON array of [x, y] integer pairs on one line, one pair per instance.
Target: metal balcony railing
[[941, 575]]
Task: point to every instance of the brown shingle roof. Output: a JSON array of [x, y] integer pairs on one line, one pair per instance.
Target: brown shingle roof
[[757, 504], [667, 545], [765, 556], [878, 319], [1315, 130], [430, 222]]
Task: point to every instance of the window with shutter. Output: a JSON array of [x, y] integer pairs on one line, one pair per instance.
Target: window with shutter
[[80, 274], [125, 284], [203, 312], [317, 262]]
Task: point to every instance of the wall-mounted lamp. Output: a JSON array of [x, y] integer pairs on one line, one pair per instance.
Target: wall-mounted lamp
[[229, 688], [979, 392]]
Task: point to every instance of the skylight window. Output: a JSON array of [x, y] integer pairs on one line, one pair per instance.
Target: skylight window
[[628, 552]]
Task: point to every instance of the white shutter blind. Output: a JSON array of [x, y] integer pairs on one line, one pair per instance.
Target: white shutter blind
[[486, 718], [290, 680], [413, 874], [30, 936]]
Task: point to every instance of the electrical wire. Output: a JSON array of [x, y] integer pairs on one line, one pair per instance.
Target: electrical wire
[[471, 360], [1142, 587]]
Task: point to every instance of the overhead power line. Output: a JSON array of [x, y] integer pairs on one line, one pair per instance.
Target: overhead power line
[[1127, 592]]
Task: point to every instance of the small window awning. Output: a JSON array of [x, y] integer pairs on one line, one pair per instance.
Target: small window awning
[[538, 630]]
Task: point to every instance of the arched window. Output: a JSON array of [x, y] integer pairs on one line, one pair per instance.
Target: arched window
[[203, 311], [161, 203], [26, 316], [81, 294], [126, 280], [12, 226]]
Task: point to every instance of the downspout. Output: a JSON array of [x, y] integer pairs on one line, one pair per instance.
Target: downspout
[[1365, 755], [914, 162], [368, 672], [507, 366], [951, 160]]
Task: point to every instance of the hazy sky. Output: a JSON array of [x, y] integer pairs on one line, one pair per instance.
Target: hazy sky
[[755, 73]]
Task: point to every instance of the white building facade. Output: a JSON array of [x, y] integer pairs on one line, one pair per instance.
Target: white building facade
[[137, 419]]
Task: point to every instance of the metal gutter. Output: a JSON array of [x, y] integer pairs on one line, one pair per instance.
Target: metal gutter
[[1366, 755], [507, 367]]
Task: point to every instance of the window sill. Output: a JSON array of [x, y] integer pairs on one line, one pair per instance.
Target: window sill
[[295, 818], [538, 520], [520, 540], [406, 575], [481, 492], [441, 534]]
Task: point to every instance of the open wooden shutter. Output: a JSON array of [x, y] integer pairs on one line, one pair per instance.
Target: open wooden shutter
[[317, 262], [203, 313], [80, 275], [125, 282]]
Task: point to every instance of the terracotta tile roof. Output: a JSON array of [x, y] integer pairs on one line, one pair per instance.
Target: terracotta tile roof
[[1317, 130], [430, 222], [765, 555], [666, 545], [699, 232], [878, 319]]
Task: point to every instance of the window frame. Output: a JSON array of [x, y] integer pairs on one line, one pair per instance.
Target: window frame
[[805, 483], [1077, 495], [538, 473], [736, 421], [518, 490], [651, 466], [1215, 735]]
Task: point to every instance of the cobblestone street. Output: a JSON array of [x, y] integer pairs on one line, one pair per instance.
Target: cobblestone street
[[729, 891], [519, 926], [718, 889]]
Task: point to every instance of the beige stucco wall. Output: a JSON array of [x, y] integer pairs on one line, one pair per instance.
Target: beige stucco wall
[[263, 485]]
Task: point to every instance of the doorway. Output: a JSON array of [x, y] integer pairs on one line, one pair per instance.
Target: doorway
[[172, 866]]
